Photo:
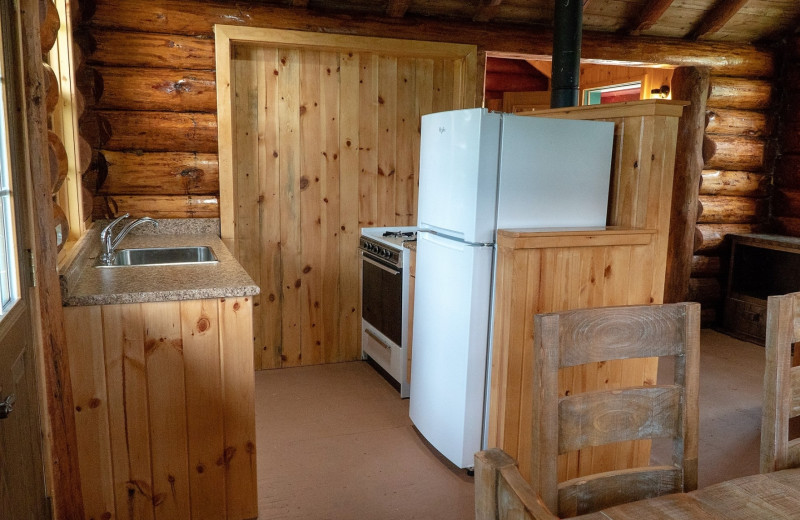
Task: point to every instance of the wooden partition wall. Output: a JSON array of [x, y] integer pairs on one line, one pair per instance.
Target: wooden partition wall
[[318, 137], [547, 271]]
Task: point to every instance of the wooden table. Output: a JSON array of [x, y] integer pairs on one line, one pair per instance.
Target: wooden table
[[771, 496]]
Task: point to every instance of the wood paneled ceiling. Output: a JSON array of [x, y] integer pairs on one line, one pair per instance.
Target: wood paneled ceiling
[[716, 20]]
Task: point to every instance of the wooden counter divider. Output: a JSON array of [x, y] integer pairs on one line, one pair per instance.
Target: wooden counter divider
[[551, 270]]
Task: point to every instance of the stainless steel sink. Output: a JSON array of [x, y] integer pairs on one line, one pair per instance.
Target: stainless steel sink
[[161, 256]]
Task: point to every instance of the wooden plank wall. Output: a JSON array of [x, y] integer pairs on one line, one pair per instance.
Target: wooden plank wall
[[164, 409], [325, 143], [786, 202]]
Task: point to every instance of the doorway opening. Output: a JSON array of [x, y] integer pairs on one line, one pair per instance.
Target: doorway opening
[[516, 84]]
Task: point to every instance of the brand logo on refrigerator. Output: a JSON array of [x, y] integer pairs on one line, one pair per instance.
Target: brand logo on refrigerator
[[442, 129]]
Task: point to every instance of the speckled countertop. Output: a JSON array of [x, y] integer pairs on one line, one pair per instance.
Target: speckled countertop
[[84, 284]]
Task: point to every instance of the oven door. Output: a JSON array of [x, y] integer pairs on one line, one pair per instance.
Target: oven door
[[382, 297]]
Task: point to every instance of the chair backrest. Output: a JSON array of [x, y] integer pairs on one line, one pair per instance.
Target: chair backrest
[[565, 423], [781, 384]]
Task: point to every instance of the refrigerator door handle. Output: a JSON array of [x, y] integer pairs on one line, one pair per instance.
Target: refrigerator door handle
[[379, 265]]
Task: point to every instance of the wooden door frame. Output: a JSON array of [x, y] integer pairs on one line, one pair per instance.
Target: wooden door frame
[[60, 440], [227, 35]]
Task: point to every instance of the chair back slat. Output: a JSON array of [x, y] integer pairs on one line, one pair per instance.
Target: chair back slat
[[620, 333], [607, 416], [781, 394], [587, 494], [795, 406], [565, 424]]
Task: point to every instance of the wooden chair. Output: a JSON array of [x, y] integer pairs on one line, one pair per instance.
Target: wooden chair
[[781, 384], [563, 424]]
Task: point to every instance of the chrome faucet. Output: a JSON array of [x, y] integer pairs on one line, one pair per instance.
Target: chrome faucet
[[109, 243]]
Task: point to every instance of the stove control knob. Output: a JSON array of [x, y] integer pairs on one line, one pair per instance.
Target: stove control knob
[[387, 253]]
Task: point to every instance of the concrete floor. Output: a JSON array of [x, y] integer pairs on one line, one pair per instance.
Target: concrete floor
[[731, 379], [335, 442]]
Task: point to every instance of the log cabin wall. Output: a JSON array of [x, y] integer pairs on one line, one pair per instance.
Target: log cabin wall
[[786, 197], [153, 124], [737, 170]]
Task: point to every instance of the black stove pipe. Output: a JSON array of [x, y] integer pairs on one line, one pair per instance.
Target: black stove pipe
[[568, 26]]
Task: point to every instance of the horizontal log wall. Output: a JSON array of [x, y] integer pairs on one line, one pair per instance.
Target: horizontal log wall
[[733, 195], [151, 89], [153, 123], [786, 199]]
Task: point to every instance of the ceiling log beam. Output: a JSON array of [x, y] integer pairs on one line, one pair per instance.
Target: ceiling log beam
[[651, 13], [300, 3], [718, 16], [397, 8], [487, 10], [503, 40]]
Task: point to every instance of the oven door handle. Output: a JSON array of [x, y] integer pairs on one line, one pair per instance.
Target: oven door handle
[[378, 264], [378, 340]]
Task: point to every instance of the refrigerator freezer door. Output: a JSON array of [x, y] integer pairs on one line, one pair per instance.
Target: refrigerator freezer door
[[459, 153], [554, 172], [451, 323]]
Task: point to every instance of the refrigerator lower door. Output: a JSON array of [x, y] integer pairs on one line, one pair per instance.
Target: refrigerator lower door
[[451, 332]]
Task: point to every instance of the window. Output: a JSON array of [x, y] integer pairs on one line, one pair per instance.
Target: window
[[9, 276], [613, 93]]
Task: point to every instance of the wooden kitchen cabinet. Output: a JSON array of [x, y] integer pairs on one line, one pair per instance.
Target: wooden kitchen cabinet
[[164, 408]]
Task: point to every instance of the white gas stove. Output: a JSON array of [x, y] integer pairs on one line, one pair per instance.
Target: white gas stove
[[385, 301]]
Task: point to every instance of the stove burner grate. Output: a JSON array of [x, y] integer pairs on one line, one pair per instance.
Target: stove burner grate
[[400, 234]]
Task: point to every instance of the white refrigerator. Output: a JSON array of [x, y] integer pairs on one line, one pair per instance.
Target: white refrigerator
[[480, 171]]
